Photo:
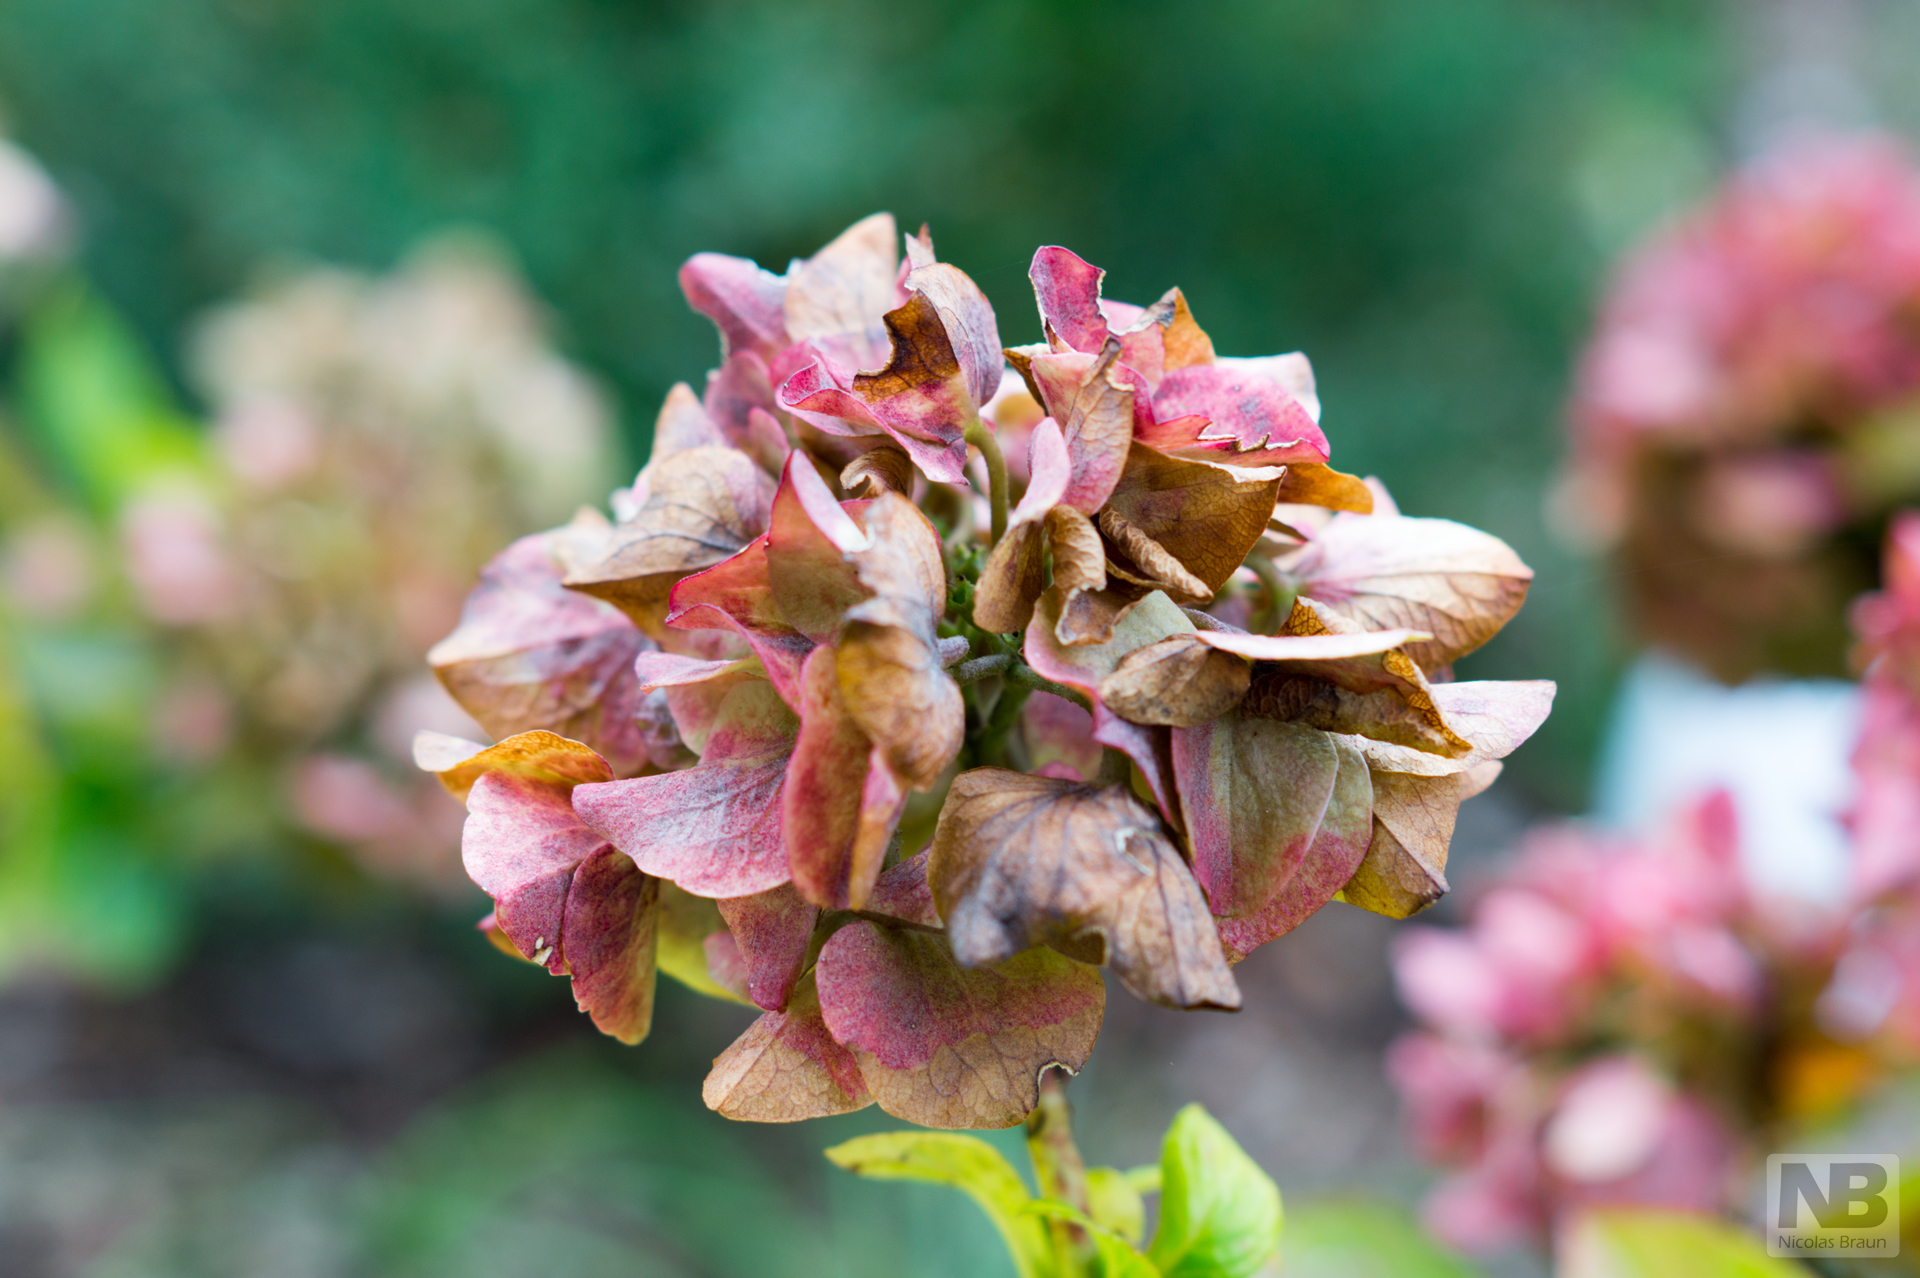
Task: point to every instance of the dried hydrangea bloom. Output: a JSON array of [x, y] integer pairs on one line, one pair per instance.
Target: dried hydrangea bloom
[[944, 736], [1624, 1021], [374, 441], [1749, 406]]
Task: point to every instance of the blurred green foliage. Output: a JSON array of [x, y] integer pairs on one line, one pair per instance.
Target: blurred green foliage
[[1421, 195], [99, 839]]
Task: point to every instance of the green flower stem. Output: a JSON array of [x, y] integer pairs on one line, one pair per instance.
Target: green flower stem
[[1280, 595], [1025, 676], [980, 667], [980, 435], [1059, 1172], [1115, 768]]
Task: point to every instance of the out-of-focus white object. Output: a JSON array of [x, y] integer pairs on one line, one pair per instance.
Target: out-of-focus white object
[[1780, 747], [33, 217]]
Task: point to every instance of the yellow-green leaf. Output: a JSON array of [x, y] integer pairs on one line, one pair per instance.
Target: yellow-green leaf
[[1115, 1203], [1646, 1243], [967, 1163]]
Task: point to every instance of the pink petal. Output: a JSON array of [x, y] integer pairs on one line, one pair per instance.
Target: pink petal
[[1091, 396], [741, 403], [714, 828], [530, 654], [1254, 420], [902, 893], [607, 937], [823, 397], [737, 594], [772, 929], [521, 845], [1050, 469], [1336, 853], [742, 299], [1068, 291], [946, 1046], [808, 544], [835, 810]]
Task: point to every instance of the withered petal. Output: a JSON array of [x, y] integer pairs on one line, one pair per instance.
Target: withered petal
[[1202, 516], [1337, 851], [786, 1068], [1178, 682], [1457, 583], [1021, 860], [840, 295], [885, 468], [702, 506], [947, 1046]]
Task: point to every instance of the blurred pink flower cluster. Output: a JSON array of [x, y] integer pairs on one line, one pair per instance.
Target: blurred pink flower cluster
[[1624, 1022], [1748, 397], [1886, 813]]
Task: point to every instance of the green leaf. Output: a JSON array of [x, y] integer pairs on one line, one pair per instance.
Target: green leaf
[[1219, 1213], [1354, 1239], [1115, 1203], [966, 1163], [1145, 1180], [1645, 1243], [98, 403]]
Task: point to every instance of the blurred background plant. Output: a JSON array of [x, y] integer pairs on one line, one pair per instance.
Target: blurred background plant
[[222, 630], [238, 967]]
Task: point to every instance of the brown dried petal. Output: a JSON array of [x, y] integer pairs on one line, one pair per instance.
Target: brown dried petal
[[1338, 849], [902, 567], [1179, 681], [895, 690], [1495, 715], [1187, 343], [1152, 565], [840, 294], [922, 355], [1317, 484], [1413, 818], [1255, 793], [885, 469], [1398, 717], [786, 1068], [1079, 559], [702, 506], [1459, 584], [1093, 616], [1021, 860], [683, 425], [1011, 582], [1199, 514]]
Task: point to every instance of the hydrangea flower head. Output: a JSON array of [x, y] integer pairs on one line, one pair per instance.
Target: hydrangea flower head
[[850, 716]]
